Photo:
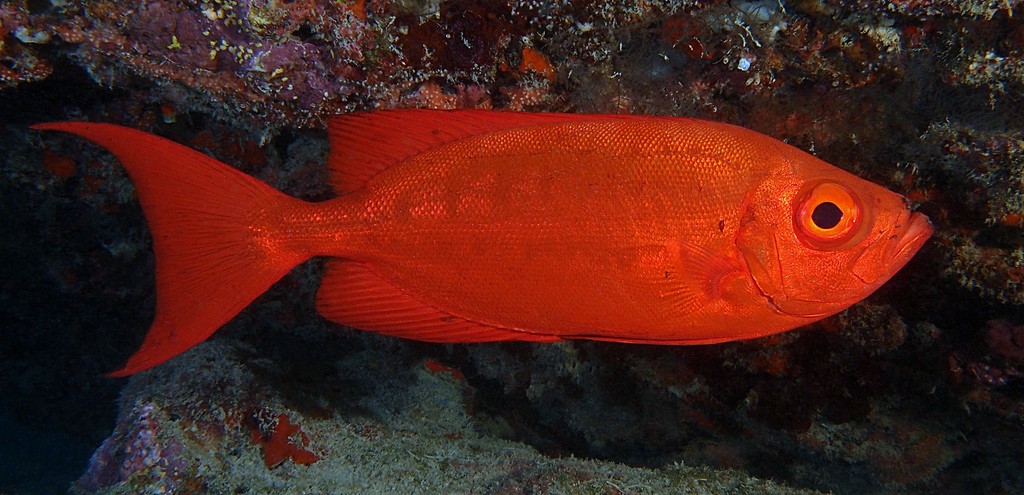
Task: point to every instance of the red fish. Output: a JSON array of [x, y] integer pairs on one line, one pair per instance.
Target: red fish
[[474, 226]]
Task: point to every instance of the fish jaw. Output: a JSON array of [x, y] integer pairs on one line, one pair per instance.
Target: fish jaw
[[914, 236], [893, 250]]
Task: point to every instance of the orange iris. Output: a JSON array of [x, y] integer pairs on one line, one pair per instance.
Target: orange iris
[[828, 216]]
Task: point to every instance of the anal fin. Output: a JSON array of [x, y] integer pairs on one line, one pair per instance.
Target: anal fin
[[352, 294]]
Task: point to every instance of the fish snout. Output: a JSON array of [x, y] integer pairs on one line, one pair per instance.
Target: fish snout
[[892, 249], [917, 231]]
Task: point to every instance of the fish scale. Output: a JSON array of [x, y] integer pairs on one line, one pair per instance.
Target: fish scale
[[549, 208]]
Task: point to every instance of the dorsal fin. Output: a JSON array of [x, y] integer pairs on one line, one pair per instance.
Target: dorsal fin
[[363, 144], [353, 295]]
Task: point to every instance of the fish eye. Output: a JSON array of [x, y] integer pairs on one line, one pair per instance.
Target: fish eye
[[827, 215]]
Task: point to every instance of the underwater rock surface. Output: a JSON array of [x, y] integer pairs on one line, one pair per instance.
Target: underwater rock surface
[[396, 427]]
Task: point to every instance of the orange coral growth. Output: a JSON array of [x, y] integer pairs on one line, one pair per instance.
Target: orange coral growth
[[358, 9], [58, 164], [278, 444], [434, 366], [1012, 219], [535, 61]]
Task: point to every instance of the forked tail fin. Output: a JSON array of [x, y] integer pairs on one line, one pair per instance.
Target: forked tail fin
[[214, 254]]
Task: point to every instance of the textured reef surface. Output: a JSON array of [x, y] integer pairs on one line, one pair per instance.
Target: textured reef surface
[[919, 389], [375, 421]]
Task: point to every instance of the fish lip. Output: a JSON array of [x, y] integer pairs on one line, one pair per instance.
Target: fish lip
[[917, 231], [894, 247]]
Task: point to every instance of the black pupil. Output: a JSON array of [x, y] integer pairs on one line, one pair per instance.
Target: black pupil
[[826, 215]]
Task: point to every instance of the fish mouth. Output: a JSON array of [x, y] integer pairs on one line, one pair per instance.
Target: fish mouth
[[914, 236], [893, 249]]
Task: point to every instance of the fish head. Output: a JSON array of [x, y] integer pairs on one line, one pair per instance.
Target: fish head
[[816, 239]]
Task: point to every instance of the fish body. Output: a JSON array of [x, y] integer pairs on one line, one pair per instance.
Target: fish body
[[474, 226]]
